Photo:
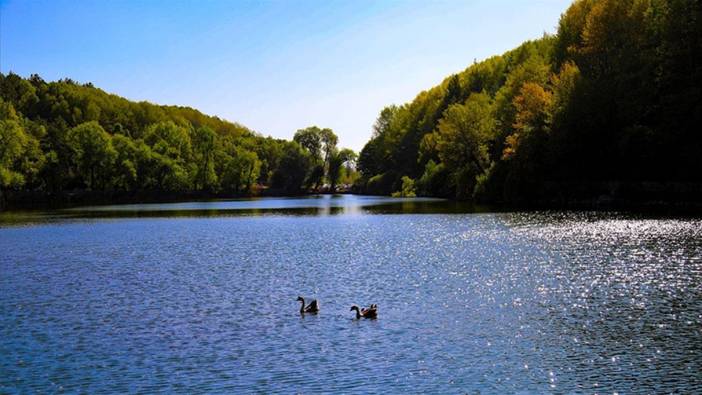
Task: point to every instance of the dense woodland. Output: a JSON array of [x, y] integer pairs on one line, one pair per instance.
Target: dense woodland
[[57, 138], [608, 106]]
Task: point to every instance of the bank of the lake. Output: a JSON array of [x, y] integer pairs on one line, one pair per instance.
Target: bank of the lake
[[650, 197], [37, 200]]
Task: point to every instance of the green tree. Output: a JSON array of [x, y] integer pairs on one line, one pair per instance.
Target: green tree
[[241, 171], [461, 140], [336, 163], [329, 141], [204, 142], [125, 174], [13, 143], [169, 139], [533, 105], [321, 145], [408, 189], [168, 174], [310, 139], [292, 170], [93, 154]]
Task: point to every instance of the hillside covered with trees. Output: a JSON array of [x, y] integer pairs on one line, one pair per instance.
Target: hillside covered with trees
[[62, 138], [608, 107]]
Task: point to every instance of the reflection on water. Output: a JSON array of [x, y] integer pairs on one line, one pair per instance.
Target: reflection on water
[[315, 205], [483, 302]]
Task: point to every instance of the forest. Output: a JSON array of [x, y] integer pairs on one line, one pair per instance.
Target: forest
[[608, 107], [63, 138]]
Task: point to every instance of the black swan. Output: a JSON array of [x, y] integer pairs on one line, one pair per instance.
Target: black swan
[[313, 307], [370, 312]]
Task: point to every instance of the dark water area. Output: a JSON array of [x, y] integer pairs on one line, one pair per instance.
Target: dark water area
[[200, 297], [315, 205]]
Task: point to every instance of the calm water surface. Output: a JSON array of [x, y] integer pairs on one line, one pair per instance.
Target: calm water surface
[[200, 297]]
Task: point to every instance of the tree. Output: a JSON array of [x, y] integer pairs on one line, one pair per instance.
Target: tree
[[407, 190], [316, 175], [19, 92], [13, 142], [533, 107], [329, 141], [157, 148], [526, 149], [241, 171], [93, 154], [21, 158], [310, 139], [125, 173], [336, 163], [168, 174], [321, 145], [204, 141], [375, 157], [435, 180], [368, 160], [169, 139], [461, 140], [382, 124], [292, 170]]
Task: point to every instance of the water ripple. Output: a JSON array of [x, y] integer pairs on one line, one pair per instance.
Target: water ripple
[[490, 303]]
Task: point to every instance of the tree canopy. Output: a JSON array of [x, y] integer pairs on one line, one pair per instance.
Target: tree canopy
[[63, 136], [614, 95]]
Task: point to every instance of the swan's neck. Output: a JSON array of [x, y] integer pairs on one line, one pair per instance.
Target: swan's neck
[[302, 305], [358, 312]]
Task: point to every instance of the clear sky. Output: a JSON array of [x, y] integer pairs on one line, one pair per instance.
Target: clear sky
[[274, 66]]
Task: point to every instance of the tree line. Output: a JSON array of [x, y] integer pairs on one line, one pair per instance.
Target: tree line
[[64, 136], [613, 98]]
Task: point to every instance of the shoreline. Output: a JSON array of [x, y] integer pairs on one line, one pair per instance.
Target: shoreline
[[32, 201]]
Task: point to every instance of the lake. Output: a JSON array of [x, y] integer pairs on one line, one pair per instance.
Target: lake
[[200, 297]]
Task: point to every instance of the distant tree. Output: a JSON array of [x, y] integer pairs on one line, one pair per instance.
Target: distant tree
[[310, 138], [13, 143], [20, 93], [316, 175], [329, 141], [204, 144], [125, 172], [168, 174], [241, 171], [408, 189], [292, 170], [375, 157], [321, 145], [435, 181], [613, 96], [383, 123], [533, 105], [169, 139], [368, 161], [461, 140], [93, 154], [336, 162]]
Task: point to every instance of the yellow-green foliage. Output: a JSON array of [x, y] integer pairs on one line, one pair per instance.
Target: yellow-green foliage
[[614, 95], [63, 135], [407, 188]]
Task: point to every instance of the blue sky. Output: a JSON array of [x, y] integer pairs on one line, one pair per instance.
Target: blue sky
[[274, 66]]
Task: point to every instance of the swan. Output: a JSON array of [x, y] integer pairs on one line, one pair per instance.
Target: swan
[[370, 312], [313, 307]]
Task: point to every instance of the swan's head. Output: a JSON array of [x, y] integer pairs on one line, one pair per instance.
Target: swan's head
[[354, 307], [300, 299]]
